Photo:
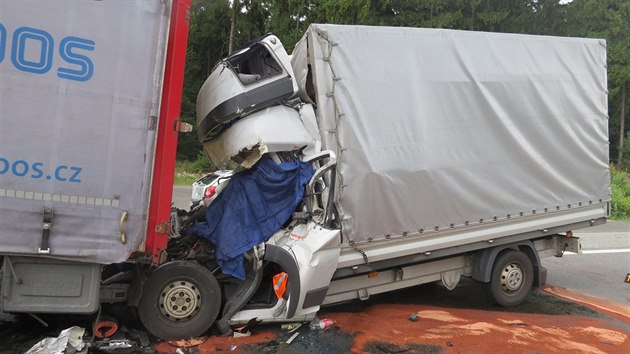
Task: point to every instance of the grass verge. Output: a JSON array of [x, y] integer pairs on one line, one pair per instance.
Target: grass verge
[[620, 190], [185, 173]]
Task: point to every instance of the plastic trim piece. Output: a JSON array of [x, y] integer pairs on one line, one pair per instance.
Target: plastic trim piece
[[315, 297]]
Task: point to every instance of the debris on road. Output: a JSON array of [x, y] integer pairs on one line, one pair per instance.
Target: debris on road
[[291, 327], [111, 345], [105, 327], [292, 337], [321, 324], [187, 343], [69, 341], [413, 317], [241, 334]]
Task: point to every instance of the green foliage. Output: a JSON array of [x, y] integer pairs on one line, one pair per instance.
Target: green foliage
[[610, 20], [186, 172], [626, 153], [620, 190], [183, 174], [211, 20], [207, 43]]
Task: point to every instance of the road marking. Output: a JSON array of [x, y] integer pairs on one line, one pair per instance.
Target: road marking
[[618, 250]]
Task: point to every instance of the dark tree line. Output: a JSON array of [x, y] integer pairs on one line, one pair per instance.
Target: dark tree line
[[216, 26]]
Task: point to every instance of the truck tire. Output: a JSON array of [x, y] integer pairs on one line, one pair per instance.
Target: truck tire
[[180, 299], [512, 278]]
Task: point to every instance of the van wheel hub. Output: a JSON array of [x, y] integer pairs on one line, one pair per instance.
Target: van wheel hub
[[179, 300], [511, 277]]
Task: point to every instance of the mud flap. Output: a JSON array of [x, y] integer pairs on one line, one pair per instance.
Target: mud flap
[[239, 299]]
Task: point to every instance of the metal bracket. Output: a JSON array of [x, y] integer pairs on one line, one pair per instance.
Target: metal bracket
[[562, 244], [163, 228], [47, 222], [121, 227], [112, 293], [183, 127]]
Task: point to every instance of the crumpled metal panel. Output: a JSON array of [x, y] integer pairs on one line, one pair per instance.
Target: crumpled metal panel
[[273, 129]]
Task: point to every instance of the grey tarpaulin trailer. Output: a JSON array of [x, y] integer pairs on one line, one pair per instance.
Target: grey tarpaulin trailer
[[440, 154]]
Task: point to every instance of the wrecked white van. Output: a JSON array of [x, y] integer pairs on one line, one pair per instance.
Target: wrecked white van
[[435, 154]]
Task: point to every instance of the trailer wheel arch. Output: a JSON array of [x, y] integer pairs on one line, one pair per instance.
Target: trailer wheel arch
[[484, 260]]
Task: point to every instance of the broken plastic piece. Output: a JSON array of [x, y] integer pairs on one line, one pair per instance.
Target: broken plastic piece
[[241, 334], [280, 284], [292, 337]]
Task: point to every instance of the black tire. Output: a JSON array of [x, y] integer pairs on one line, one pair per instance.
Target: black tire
[[512, 278], [180, 300]]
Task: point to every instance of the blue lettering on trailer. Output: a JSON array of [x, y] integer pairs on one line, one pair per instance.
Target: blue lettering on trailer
[[40, 45], [37, 170], [85, 63], [3, 41], [21, 38]]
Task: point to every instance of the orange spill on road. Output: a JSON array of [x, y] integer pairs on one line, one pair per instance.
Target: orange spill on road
[[220, 344], [475, 331], [457, 331], [613, 309], [467, 330]]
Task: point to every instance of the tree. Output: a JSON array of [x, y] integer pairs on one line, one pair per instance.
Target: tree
[[212, 21], [207, 43], [610, 19]]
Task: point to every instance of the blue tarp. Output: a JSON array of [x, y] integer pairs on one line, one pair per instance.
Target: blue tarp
[[251, 208]]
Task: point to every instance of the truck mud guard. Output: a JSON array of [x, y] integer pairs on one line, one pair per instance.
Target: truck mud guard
[[484, 259]]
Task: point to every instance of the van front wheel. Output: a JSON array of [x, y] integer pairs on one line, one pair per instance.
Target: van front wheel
[[180, 299], [512, 278]]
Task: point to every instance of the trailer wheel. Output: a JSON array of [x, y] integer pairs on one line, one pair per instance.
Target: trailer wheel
[[181, 299], [512, 278]]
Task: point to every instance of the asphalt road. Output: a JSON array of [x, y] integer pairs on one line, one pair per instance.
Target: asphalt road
[[181, 196], [602, 268]]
